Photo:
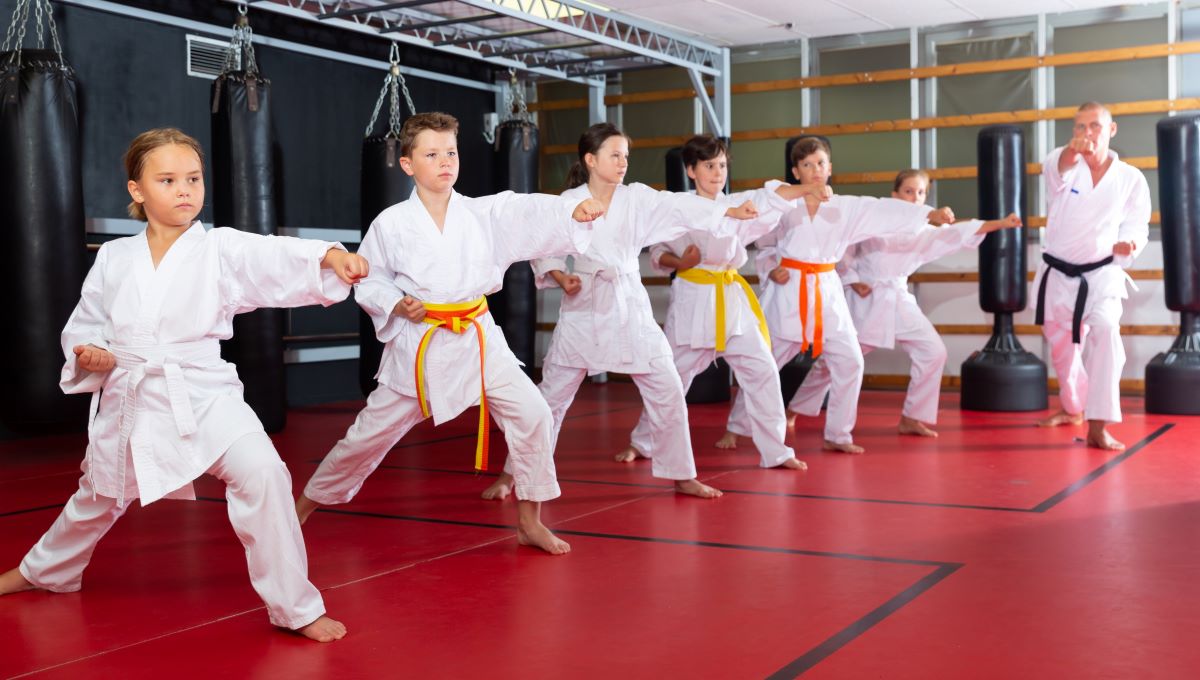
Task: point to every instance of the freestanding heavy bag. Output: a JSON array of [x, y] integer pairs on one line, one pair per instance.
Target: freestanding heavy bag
[[1003, 376], [1173, 377]]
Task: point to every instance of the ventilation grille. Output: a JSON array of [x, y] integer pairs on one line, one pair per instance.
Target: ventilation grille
[[206, 57]]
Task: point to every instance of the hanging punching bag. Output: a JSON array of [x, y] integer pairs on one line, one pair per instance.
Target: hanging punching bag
[[713, 383], [514, 306], [1003, 376], [243, 198], [384, 184], [42, 228], [1173, 377]]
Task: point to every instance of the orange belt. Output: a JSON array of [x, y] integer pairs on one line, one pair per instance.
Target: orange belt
[[806, 268], [456, 318]]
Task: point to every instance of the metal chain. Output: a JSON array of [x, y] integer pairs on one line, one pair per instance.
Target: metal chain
[[514, 97], [54, 37], [393, 85], [241, 42], [41, 36], [12, 26], [14, 38]]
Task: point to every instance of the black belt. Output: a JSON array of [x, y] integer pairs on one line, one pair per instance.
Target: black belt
[[1075, 271]]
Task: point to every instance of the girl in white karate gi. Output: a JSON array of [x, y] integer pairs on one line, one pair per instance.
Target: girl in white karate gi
[[144, 341], [702, 324], [433, 259], [887, 315], [802, 296], [605, 322]]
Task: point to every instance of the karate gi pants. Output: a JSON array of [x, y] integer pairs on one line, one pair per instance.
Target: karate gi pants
[[1089, 374], [258, 491], [758, 378], [513, 401], [920, 340], [844, 359], [668, 444]]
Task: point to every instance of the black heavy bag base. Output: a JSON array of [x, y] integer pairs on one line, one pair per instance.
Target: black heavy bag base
[[793, 373], [1003, 376], [1173, 377], [711, 386]]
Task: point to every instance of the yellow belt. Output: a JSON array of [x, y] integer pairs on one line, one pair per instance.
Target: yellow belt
[[720, 280], [456, 317]]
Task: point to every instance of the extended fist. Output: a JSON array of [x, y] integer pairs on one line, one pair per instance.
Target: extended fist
[[1082, 146], [588, 210], [1012, 221], [779, 275], [92, 358], [744, 211], [941, 216], [821, 192], [349, 267]]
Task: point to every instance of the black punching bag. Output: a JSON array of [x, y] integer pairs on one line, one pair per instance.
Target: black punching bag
[[514, 306], [1003, 376], [384, 184], [41, 219], [712, 384], [1173, 377], [244, 182]]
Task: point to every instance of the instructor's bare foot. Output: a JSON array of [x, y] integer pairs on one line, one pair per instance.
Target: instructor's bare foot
[[727, 441], [793, 463], [323, 629], [915, 427], [538, 536], [305, 506], [499, 489], [12, 581], [1061, 418], [791, 421], [843, 448], [1099, 438], [628, 455], [694, 487]]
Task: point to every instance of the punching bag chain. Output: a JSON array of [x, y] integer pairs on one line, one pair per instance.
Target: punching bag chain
[[393, 85], [15, 36], [241, 44], [514, 98]]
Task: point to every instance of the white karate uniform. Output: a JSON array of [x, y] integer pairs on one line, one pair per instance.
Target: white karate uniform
[[889, 315], [609, 326], [459, 263], [172, 410], [1083, 224], [692, 321], [839, 223]]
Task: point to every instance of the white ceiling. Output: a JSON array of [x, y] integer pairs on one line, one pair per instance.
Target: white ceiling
[[748, 22]]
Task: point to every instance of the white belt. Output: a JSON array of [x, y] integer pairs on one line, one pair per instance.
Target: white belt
[[168, 361], [614, 274]]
